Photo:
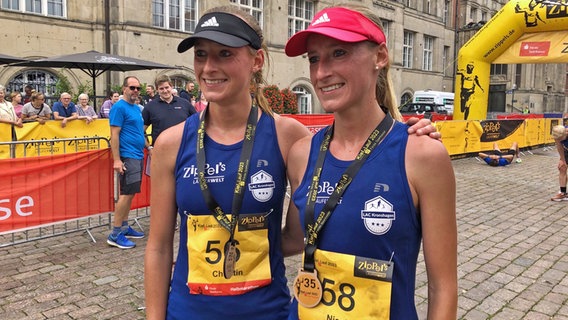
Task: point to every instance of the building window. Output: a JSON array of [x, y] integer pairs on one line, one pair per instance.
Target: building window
[[304, 100], [473, 14], [518, 74], [428, 53], [497, 69], [407, 49], [174, 14], [40, 80], [484, 16], [300, 14], [406, 98], [427, 6], [387, 25], [446, 16], [253, 7], [446, 62], [56, 8]]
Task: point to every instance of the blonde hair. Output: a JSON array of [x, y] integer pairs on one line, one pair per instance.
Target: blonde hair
[[384, 90], [257, 81], [559, 132]]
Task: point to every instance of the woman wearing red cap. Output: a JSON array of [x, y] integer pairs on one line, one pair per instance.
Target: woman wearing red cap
[[367, 192], [224, 172]]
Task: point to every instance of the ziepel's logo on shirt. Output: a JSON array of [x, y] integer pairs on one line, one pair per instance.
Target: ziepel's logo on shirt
[[261, 186], [378, 215]]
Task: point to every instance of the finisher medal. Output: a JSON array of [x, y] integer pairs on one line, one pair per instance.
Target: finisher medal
[[307, 288], [230, 258]]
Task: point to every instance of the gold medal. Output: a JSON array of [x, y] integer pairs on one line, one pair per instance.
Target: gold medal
[[230, 259], [307, 288]]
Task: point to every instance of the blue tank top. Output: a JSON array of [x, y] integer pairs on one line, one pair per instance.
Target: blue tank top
[[382, 177], [268, 302]]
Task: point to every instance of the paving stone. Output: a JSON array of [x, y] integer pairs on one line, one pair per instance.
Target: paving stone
[[512, 256]]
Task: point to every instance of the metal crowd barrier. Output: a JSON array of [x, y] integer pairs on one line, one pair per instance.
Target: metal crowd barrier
[[85, 224]]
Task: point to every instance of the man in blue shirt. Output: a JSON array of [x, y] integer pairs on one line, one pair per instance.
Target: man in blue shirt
[[64, 109], [127, 144]]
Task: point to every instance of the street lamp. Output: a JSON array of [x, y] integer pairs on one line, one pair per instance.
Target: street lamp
[[513, 88]]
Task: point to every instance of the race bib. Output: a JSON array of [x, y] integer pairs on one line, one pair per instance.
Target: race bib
[[206, 245], [353, 288]]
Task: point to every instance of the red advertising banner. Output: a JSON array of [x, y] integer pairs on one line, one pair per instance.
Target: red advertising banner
[[48, 189], [314, 122]]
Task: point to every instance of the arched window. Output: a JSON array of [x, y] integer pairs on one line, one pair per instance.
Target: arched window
[[406, 98], [40, 80], [304, 100]]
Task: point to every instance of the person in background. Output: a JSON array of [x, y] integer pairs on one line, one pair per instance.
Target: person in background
[[559, 134], [200, 167], [202, 103], [64, 109], [127, 145], [84, 110], [165, 111], [16, 99], [383, 200], [497, 158], [150, 94], [36, 109], [7, 112], [175, 92], [187, 92], [138, 102], [526, 110], [28, 96], [107, 105]]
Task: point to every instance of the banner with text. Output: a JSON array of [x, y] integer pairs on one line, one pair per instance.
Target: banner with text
[[48, 189]]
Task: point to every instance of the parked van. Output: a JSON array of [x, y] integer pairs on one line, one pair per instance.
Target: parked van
[[446, 99]]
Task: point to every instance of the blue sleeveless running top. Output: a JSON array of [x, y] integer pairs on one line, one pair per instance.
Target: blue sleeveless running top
[[381, 182], [264, 193]]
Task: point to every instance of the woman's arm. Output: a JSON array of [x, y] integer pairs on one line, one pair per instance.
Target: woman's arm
[[289, 133], [292, 234], [159, 249], [432, 182]]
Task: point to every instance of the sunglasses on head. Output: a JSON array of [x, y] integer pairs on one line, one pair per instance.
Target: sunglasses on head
[[134, 88]]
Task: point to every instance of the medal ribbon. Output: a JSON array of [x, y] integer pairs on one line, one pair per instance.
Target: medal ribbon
[[314, 228], [242, 172]]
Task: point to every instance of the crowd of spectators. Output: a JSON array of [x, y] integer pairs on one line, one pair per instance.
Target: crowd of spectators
[[17, 108]]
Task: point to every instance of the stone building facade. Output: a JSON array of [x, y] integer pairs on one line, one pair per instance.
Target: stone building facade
[[423, 39]]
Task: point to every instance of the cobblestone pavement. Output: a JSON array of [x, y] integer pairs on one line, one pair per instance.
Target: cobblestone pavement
[[512, 256]]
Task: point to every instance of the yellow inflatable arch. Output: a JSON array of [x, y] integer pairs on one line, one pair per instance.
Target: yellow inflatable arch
[[523, 31]]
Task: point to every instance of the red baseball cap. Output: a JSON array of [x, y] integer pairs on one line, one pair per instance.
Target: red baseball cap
[[339, 23]]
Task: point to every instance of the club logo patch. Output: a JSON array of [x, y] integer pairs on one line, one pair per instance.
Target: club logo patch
[[378, 215], [261, 186]]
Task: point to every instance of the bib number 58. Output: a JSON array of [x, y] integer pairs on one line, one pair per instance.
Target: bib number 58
[[344, 300]]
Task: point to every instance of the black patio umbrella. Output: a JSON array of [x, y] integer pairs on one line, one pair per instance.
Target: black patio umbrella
[[6, 59], [94, 64]]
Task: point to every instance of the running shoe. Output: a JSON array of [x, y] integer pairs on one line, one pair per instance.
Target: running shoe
[[131, 233], [560, 196], [120, 241]]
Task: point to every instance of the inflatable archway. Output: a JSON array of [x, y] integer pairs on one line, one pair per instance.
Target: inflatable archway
[[523, 31]]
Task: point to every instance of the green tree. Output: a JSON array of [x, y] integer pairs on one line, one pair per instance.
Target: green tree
[[62, 85]]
